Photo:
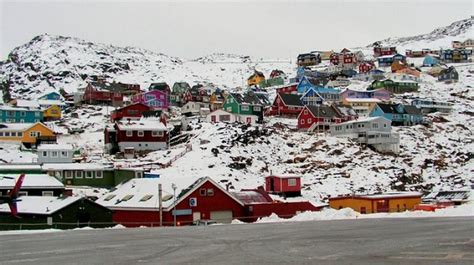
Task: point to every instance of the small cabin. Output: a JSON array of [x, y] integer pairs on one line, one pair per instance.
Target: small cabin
[[289, 185]]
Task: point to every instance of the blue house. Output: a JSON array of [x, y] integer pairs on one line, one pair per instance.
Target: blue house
[[387, 60], [51, 96], [307, 83], [430, 61], [448, 75], [399, 114], [20, 115], [311, 98]]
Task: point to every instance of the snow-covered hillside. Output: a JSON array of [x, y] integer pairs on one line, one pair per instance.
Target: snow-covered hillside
[[55, 62], [436, 39]]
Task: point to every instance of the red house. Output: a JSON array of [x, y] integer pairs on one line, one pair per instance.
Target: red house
[[142, 135], [343, 58], [288, 89], [195, 94], [382, 51], [365, 67], [135, 203], [285, 185], [97, 93], [133, 112], [285, 105], [317, 118]]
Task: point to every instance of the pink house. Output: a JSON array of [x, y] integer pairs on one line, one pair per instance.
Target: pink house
[[154, 99]]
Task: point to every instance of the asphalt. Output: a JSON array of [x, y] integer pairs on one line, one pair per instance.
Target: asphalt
[[367, 241]]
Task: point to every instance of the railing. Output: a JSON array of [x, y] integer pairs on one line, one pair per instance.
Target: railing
[[189, 148]]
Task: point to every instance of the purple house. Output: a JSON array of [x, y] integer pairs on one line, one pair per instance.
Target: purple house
[[155, 99], [381, 94]]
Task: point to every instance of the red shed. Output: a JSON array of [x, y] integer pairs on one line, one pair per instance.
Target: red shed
[[97, 93], [133, 111], [286, 185], [317, 117]]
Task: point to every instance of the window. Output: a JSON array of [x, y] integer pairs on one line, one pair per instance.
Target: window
[[13, 134], [63, 153], [129, 133], [37, 114], [89, 174], [309, 120], [7, 134], [141, 133], [98, 174], [68, 174], [35, 134], [210, 192], [127, 197], [202, 192], [244, 108], [48, 193], [146, 197], [79, 174], [45, 154], [305, 112], [302, 121], [292, 182], [109, 197], [23, 114], [156, 133], [20, 134], [257, 108], [22, 193], [54, 154], [1, 134]]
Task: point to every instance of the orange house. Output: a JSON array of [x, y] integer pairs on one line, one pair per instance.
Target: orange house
[[397, 65], [29, 134], [409, 71], [378, 203]]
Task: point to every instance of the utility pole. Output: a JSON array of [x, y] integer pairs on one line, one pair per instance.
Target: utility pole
[[160, 203], [174, 204]]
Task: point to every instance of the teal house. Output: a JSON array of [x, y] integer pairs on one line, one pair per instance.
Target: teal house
[[430, 61], [51, 96], [245, 104], [403, 115], [20, 115]]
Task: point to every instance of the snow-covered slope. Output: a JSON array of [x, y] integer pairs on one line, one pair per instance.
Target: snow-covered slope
[[55, 62], [436, 39]]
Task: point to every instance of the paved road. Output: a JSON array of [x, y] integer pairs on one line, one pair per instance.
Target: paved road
[[368, 241]]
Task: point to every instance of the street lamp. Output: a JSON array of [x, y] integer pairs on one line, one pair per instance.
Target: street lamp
[[173, 186]]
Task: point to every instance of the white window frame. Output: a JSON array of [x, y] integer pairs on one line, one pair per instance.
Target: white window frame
[[99, 174], [140, 133], [54, 154], [68, 174], [48, 193], [79, 174], [91, 174], [129, 133], [292, 182], [245, 108]]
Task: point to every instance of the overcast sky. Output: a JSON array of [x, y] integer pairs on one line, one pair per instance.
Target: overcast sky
[[258, 28]]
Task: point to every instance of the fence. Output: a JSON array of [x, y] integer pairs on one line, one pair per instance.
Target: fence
[[189, 147]]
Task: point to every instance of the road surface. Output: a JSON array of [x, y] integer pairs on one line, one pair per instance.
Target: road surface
[[364, 241]]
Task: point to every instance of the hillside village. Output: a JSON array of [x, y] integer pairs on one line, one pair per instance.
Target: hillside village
[[382, 128]]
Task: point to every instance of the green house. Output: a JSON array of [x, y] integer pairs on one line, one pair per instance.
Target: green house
[[177, 92], [396, 87], [277, 81], [244, 104], [93, 175], [42, 212]]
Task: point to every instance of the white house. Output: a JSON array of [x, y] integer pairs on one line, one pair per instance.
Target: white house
[[55, 153], [224, 116], [193, 108], [374, 131]]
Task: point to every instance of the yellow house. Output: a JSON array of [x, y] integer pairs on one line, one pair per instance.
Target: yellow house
[[362, 106], [255, 79], [27, 133], [217, 99], [378, 203], [52, 113]]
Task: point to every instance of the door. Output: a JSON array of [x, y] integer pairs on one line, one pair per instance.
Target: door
[[196, 216], [213, 118], [222, 216], [249, 120], [272, 184], [382, 206]]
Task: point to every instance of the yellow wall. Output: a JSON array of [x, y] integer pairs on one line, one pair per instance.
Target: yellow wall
[[371, 205], [255, 80], [52, 113], [38, 127], [10, 139], [368, 105]]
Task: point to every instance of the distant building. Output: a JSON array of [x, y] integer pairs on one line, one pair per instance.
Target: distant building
[[377, 203], [308, 59], [55, 153]]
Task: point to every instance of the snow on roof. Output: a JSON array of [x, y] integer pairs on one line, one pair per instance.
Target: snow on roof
[[388, 195], [363, 100], [73, 166], [363, 120], [45, 205], [43, 147], [16, 126], [27, 103], [5, 107], [50, 102], [143, 124], [284, 176], [19, 166], [31, 181]]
